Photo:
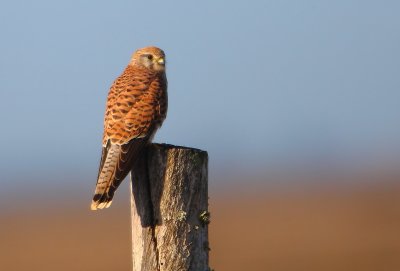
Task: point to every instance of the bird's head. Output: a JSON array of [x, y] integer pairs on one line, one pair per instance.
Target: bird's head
[[152, 58]]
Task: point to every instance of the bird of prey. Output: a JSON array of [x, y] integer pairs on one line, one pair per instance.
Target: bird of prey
[[136, 107]]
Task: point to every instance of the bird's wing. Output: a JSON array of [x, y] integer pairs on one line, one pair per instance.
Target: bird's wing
[[131, 108], [132, 116]]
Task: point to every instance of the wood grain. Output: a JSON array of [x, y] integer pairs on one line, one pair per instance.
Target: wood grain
[[169, 207]]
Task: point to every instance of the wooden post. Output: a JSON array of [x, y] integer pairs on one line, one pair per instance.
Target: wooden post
[[169, 209]]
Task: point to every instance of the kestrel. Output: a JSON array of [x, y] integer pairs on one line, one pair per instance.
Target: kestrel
[[136, 107]]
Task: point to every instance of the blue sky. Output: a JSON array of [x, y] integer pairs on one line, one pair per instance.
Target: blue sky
[[255, 83]]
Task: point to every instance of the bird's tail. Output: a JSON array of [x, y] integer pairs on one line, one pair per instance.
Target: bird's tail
[[116, 162], [106, 183]]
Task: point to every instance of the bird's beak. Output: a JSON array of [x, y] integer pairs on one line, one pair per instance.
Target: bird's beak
[[161, 61]]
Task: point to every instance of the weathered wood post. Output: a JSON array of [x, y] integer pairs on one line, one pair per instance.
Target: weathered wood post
[[169, 209]]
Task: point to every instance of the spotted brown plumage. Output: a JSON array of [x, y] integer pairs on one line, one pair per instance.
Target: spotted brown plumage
[[136, 107]]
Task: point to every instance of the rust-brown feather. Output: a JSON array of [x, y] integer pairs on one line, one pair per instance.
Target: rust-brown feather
[[136, 107]]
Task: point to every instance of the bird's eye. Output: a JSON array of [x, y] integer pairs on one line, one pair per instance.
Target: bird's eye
[[149, 57]]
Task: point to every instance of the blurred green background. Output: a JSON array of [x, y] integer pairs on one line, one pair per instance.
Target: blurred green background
[[297, 104]]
